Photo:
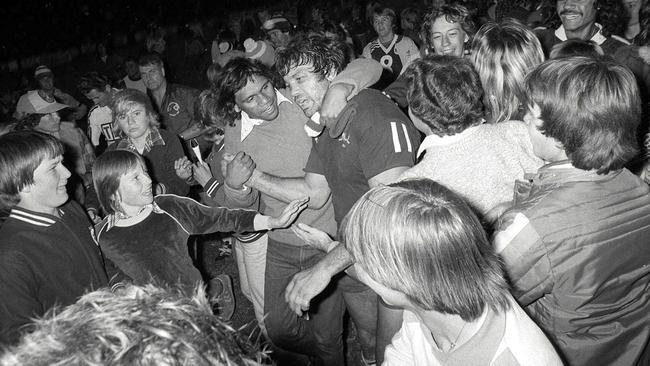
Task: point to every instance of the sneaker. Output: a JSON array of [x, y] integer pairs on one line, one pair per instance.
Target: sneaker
[[370, 362], [224, 302]]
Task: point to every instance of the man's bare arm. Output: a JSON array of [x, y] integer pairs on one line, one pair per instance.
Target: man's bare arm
[[307, 284], [311, 185]]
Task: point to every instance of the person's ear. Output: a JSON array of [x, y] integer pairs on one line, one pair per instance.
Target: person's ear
[[237, 109], [26, 189], [331, 74], [534, 116]]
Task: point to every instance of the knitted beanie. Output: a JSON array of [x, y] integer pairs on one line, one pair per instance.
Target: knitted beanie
[[260, 50]]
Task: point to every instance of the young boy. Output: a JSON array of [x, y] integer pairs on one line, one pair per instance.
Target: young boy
[[48, 254], [575, 243]]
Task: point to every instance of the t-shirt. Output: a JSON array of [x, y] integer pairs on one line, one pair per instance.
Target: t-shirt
[[377, 137], [100, 122], [510, 338], [395, 57]]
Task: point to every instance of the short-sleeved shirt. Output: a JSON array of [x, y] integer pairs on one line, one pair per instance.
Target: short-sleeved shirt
[[378, 137], [395, 57]]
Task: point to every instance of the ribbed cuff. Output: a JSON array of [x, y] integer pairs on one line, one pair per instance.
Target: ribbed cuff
[[261, 222]]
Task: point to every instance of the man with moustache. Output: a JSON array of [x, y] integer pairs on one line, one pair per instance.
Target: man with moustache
[[579, 22]]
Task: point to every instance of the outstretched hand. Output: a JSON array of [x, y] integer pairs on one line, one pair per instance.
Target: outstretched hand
[[289, 214], [315, 238]]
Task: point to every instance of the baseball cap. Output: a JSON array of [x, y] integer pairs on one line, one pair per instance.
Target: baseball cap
[[32, 103], [42, 71]]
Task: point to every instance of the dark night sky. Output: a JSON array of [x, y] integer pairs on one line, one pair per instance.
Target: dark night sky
[[31, 26]]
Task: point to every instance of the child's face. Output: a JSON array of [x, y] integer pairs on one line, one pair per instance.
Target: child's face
[[134, 121], [135, 189]]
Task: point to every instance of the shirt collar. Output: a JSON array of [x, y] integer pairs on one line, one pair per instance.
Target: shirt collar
[[597, 38], [112, 218], [33, 217], [247, 123], [563, 171], [435, 140], [153, 139]]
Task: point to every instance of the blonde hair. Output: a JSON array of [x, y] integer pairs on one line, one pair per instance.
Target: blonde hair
[[418, 238], [125, 99], [503, 53], [135, 325]]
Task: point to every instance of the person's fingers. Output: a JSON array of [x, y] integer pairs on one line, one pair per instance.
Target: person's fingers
[[305, 228]]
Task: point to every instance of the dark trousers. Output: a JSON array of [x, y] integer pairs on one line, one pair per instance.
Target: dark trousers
[[320, 337]]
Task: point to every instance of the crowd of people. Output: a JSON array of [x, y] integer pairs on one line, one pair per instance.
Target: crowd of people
[[468, 180]]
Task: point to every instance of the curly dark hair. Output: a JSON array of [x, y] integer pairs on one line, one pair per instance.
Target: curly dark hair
[[227, 81], [325, 54], [445, 93]]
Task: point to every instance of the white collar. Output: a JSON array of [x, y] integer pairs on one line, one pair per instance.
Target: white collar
[[247, 123], [390, 45], [597, 38], [435, 140]]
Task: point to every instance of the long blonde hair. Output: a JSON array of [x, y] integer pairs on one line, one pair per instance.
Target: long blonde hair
[[503, 53]]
